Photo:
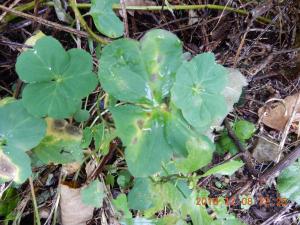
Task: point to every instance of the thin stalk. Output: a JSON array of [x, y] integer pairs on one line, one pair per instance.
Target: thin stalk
[[30, 6], [36, 211], [73, 5]]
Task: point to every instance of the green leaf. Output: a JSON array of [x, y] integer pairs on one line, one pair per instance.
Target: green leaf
[[138, 129], [222, 214], [139, 197], [231, 93], [197, 213], [105, 19], [8, 202], [225, 144], [124, 178], [197, 90], [243, 129], [152, 197], [200, 152], [87, 137], [178, 132], [227, 168], [93, 194], [57, 79], [122, 73], [61, 144], [101, 137], [161, 51], [19, 132], [141, 72], [121, 204], [61, 13], [139, 221], [81, 115], [288, 182], [14, 127]]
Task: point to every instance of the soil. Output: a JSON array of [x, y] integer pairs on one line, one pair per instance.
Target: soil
[[266, 53]]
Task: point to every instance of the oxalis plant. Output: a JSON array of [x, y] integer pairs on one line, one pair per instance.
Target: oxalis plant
[[164, 107]]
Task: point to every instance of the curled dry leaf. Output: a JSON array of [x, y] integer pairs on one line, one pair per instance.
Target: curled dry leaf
[[73, 211], [277, 115]]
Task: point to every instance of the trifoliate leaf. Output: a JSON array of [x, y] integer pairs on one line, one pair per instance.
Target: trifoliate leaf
[[93, 194], [61, 144], [200, 151], [227, 168], [243, 129], [141, 72], [58, 80], [105, 19], [19, 132], [142, 132], [288, 182], [197, 90]]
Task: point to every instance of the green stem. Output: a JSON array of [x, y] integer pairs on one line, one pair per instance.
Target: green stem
[[30, 6], [36, 210], [78, 15]]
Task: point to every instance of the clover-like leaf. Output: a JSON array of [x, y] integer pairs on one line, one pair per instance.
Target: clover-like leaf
[[142, 132], [105, 19], [141, 72], [197, 90], [61, 144], [19, 132], [288, 182], [57, 79]]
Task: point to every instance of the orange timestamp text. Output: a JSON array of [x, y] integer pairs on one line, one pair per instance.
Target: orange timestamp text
[[244, 201]]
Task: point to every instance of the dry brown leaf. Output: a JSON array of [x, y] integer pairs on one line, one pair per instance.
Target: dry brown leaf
[[278, 115], [71, 168], [265, 150], [73, 211]]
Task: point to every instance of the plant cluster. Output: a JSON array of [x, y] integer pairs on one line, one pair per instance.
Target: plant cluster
[[164, 108]]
